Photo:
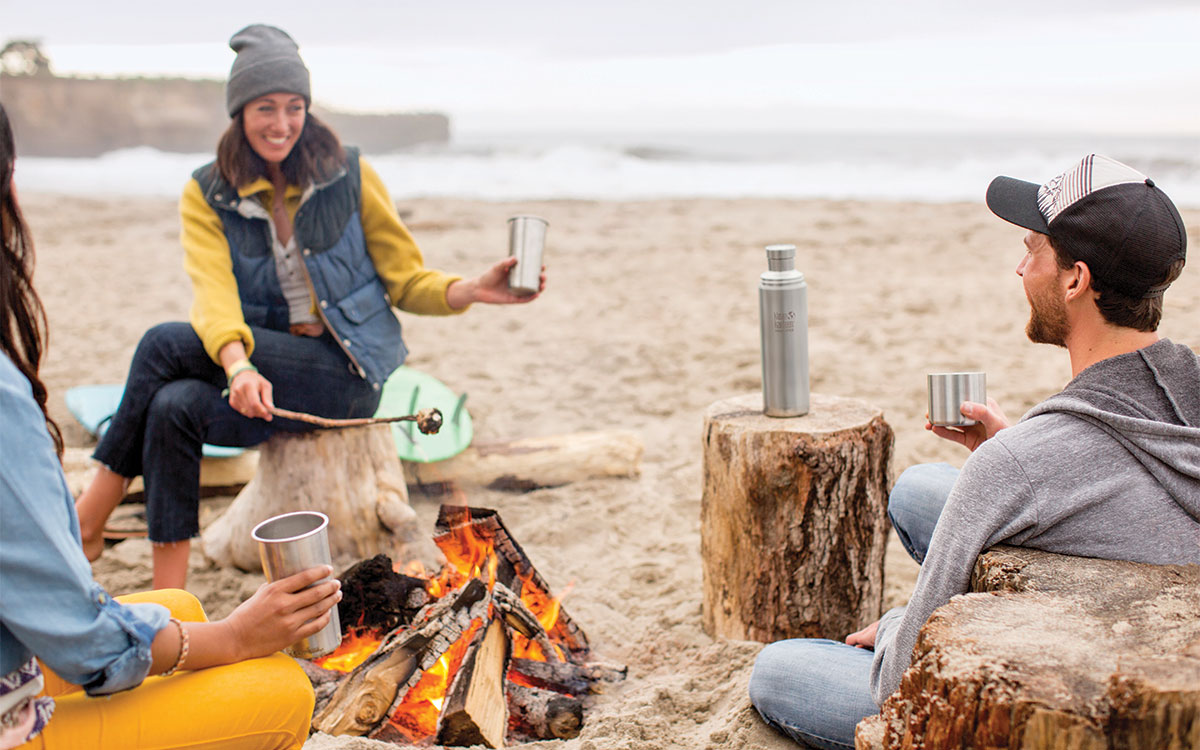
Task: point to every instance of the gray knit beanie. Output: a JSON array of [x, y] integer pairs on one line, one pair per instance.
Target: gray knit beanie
[[267, 61]]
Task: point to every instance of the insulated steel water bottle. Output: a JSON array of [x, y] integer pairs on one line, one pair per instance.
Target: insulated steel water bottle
[[783, 318]]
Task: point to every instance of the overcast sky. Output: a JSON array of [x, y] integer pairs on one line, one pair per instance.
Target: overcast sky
[[1101, 65]]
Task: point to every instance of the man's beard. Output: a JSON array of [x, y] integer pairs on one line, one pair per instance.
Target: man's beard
[[1047, 320]]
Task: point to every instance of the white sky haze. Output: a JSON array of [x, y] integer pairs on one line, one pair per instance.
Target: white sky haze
[[1100, 66]]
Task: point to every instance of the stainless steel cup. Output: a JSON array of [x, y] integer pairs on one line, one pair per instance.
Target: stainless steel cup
[[948, 391], [288, 544], [526, 242]]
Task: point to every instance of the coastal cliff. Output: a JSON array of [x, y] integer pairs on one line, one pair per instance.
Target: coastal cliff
[[84, 117]]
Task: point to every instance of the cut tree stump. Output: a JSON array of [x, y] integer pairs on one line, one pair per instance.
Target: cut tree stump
[[793, 519], [1053, 653], [352, 475], [531, 463]]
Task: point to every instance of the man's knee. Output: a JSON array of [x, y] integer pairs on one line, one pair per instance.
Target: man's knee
[[920, 492]]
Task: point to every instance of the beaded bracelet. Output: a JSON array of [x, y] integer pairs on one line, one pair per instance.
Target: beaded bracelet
[[183, 648]]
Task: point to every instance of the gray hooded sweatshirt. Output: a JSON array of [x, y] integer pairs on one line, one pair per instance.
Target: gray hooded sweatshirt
[[1108, 468]]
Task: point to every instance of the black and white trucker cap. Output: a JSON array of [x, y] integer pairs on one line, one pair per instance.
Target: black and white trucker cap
[[1104, 213]]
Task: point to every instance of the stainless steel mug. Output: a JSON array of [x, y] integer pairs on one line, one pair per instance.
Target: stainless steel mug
[[288, 544], [526, 242], [948, 391], [783, 322]]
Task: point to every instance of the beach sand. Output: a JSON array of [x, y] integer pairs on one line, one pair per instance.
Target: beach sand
[[650, 315]]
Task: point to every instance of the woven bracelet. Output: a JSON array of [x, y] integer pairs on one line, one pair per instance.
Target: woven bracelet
[[238, 370], [183, 648]]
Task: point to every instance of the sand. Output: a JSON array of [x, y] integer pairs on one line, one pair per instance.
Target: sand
[[650, 315]]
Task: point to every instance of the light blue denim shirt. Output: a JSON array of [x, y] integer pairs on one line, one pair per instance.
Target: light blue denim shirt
[[50, 606]]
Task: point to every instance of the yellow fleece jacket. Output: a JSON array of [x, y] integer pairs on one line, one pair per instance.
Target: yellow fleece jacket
[[216, 308]]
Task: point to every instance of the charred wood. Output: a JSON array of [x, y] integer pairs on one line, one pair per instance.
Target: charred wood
[[523, 620], [566, 677], [370, 693], [544, 714], [376, 597]]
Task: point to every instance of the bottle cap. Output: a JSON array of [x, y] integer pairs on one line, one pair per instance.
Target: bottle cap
[[781, 252]]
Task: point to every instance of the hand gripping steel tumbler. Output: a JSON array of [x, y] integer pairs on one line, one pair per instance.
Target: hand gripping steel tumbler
[[783, 318]]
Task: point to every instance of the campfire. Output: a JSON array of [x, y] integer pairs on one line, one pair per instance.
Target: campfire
[[477, 654]]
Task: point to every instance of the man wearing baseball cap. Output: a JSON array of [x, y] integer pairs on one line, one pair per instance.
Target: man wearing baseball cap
[[1108, 468]]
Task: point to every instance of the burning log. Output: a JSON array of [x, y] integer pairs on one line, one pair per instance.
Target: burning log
[[370, 694], [565, 677], [515, 570], [475, 712], [523, 620], [544, 714], [450, 676]]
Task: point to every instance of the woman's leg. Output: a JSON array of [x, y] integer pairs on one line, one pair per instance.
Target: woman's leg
[[307, 374], [260, 703], [814, 690], [167, 352], [916, 502]]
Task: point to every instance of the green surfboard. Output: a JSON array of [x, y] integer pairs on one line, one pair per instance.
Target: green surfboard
[[407, 391]]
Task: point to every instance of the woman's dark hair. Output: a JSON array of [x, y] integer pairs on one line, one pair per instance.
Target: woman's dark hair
[[22, 318], [316, 157]]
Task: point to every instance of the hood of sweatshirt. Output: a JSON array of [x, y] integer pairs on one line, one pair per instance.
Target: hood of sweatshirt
[[1149, 401]]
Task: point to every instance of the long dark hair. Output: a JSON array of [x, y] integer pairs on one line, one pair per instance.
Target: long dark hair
[[316, 157], [22, 318]]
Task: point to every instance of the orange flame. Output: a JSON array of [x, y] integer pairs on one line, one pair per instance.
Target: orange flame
[[470, 553], [416, 716], [356, 647]]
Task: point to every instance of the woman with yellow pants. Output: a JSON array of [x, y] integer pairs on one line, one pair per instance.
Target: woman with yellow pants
[[219, 684], [259, 704]]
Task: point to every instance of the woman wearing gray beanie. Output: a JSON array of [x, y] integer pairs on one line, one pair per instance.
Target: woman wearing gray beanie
[[296, 254]]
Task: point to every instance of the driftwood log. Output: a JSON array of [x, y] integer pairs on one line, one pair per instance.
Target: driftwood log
[[352, 475], [793, 519], [532, 463], [1053, 653]]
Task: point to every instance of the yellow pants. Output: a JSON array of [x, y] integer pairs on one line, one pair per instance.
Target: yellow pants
[[258, 704]]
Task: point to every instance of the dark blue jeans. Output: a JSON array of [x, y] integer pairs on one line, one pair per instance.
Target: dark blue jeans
[[816, 690], [173, 405]]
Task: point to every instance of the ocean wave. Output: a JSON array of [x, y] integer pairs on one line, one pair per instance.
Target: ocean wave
[[903, 167]]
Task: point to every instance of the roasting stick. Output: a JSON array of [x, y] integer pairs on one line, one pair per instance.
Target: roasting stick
[[429, 421]]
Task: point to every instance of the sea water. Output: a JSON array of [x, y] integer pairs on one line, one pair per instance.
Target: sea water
[[932, 167]]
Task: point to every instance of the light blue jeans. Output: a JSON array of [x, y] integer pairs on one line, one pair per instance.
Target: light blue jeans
[[816, 690]]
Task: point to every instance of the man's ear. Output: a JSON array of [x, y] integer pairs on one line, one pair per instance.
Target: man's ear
[[1078, 281]]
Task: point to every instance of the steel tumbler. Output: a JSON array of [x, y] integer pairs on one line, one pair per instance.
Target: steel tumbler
[[526, 242], [288, 544], [783, 320], [948, 391]]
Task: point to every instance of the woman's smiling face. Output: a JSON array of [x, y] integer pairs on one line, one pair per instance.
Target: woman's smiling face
[[273, 124]]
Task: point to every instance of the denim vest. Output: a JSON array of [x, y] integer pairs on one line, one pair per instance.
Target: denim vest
[[351, 298]]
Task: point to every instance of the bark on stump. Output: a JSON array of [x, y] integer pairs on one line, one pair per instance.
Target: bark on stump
[[352, 475], [1053, 653], [793, 519]]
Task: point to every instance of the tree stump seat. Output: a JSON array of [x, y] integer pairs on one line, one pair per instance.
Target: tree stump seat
[[1053, 652], [353, 475], [793, 518]]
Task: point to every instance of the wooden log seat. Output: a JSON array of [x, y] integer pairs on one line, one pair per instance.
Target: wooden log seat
[[1053, 652]]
